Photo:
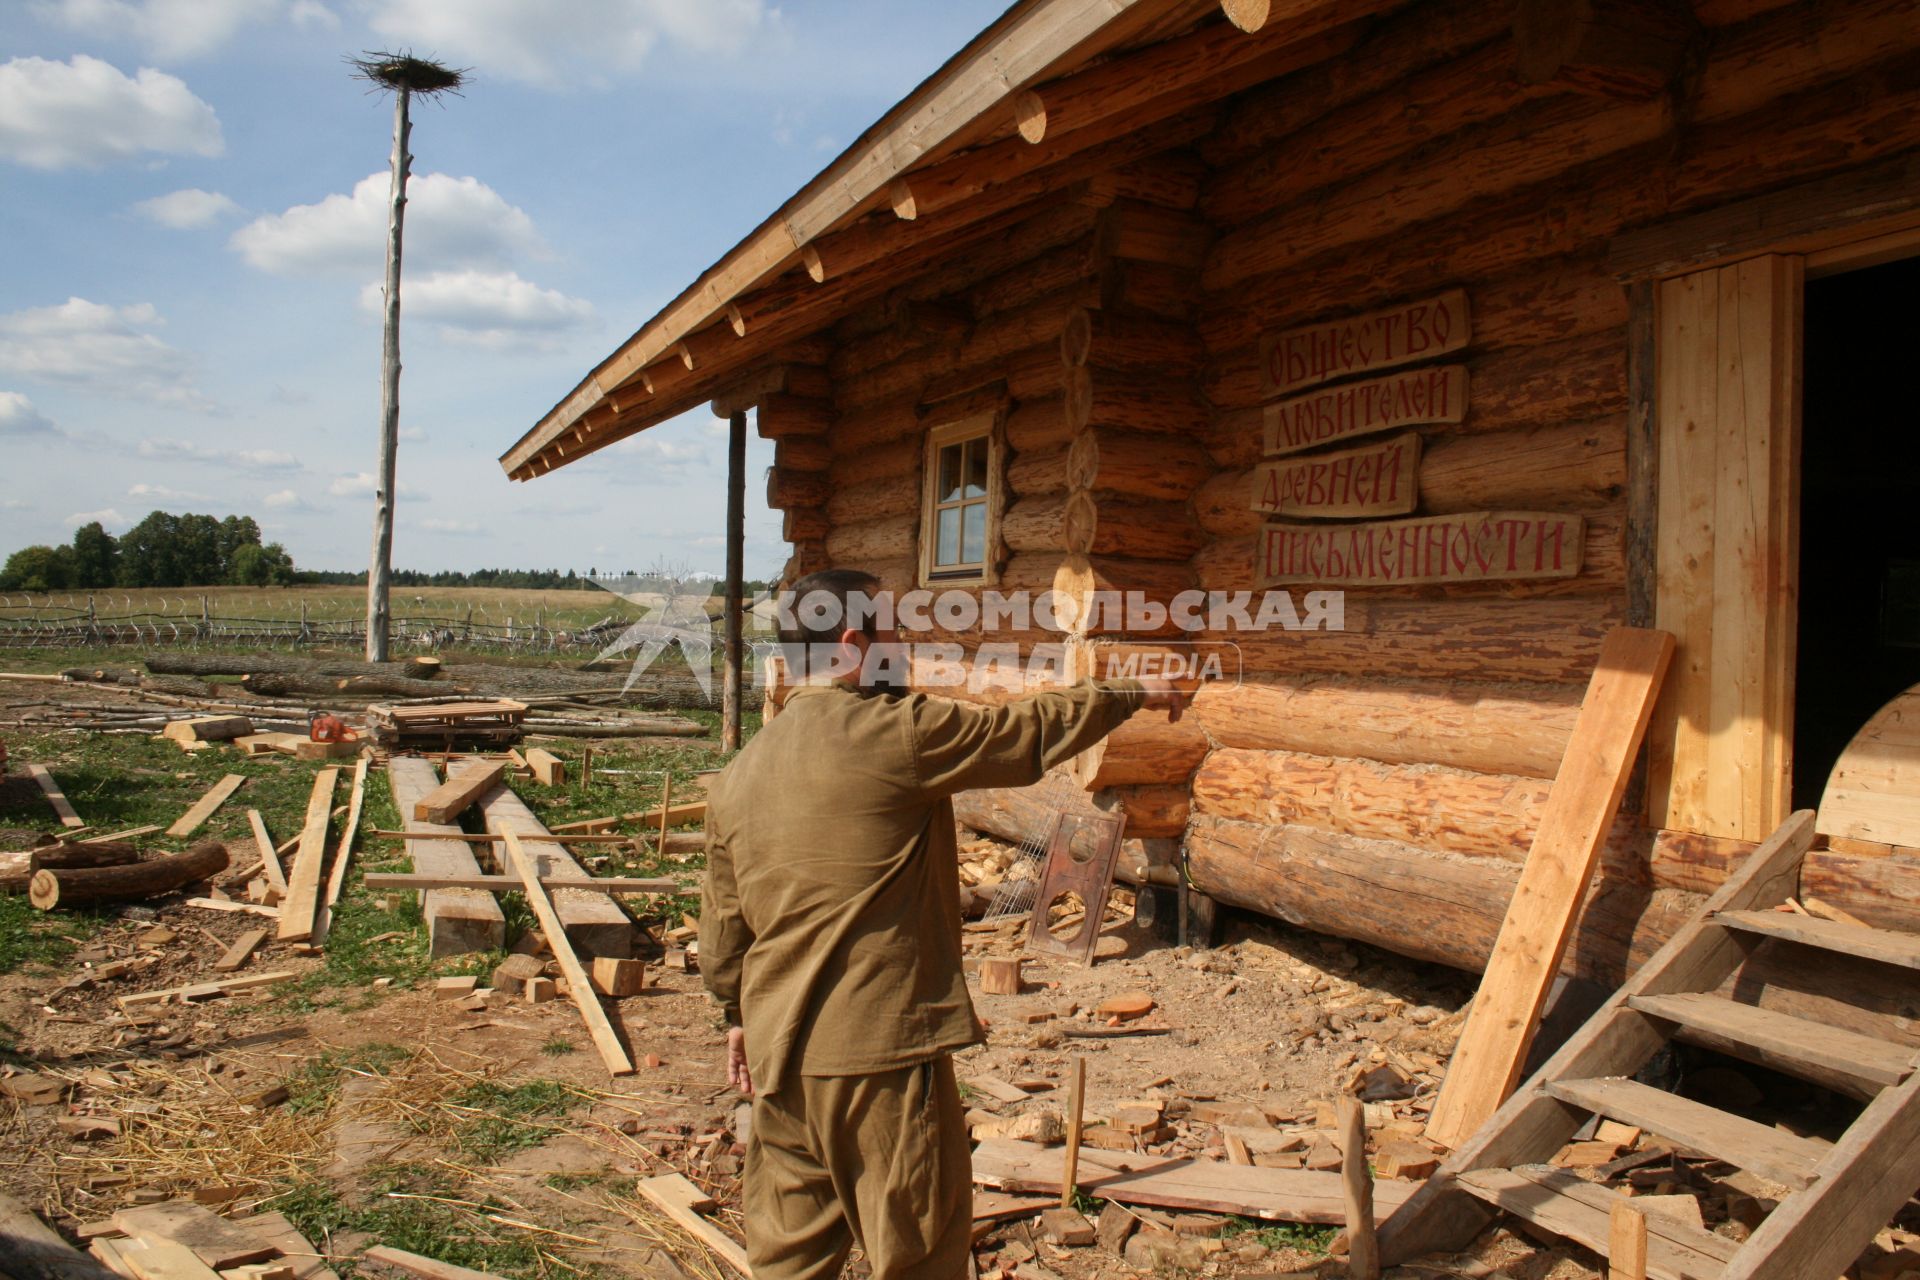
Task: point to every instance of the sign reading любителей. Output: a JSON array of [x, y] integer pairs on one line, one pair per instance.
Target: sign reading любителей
[[1373, 480], [1401, 334], [1474, 546], [1330, 414]]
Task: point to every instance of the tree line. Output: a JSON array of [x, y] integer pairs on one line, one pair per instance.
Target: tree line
[[163, 550]]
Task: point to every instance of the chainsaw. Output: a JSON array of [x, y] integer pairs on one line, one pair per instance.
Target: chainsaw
[[324, 727]]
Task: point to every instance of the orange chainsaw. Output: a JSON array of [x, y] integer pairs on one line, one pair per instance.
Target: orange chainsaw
[[324, 727]]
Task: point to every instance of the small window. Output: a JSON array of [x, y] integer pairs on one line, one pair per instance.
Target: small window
[[962, 498]]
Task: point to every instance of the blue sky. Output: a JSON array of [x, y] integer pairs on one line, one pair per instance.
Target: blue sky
[[192, 233]]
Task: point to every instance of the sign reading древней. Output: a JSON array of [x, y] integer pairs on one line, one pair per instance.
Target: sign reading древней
[[1437, 394], [1475, 546], [1373, 480], [1317, 353]]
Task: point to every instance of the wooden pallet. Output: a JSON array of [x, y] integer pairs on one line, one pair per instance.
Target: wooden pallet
[[496, 722], [1843, 1192]]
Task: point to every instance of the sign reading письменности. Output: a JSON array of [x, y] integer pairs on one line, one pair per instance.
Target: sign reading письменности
[[1473, 546]]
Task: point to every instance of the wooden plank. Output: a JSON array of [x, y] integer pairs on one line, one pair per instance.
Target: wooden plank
[[1471, 546], [1869, 1065], [1356, 1181], [55, 796], [248, 908], [213, 1240], [1583, 1212], [1728, 407], [579, 983], [1626, 1243], [1374, 480], [208, 729], [308, 1263], [1863, 1182], [1617, 1040], [500, 884], [1745, 1143], [192, 820], [453, 797], [1395, 335], [1884, 945], [131, 833], [342, 855], [269, 856], [204, 990], [416, 1265], [303, 887], [683, 1202], [677, 815], [595, 923], [549, 770], [1275, 1195], [32, 1250], [241, 951], [1332, 414], [1553, 884], [470, 837], [1871, 793], [459, 921], [163, 1259]]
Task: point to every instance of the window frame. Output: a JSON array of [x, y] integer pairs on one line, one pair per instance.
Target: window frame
[[984, 426]]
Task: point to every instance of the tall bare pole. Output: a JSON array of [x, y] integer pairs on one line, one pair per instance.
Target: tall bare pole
[[730, 679], [405, 75]]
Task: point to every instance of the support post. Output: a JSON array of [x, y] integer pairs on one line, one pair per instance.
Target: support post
[[730, 680], [379, 569]]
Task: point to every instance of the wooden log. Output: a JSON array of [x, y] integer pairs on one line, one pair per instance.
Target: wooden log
[[1155, 811], [1099, 587], [1132, 402], [806, 525], [872, 500], [1146, 233], [133, 881], [1484, 728], [1614, 48], [869, 541], [1036, 472], [1153, 289], [1039, 424], [459, 921], [1171, 180], [1037, 523], [1075, 263], [1129, 342], [894, 460], [392, 687], [782, 415], [456, 795], [1107, 524], [1137, 464], [801, 489], [802, 453], [207, 729], [17, 867], [1146, 750]]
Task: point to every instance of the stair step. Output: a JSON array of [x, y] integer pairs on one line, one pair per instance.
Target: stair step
[[1871, 1064], [1554, 1200], [1884, 945], [1735, 1139]]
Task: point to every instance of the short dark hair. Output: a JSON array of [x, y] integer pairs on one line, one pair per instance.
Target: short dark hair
[[853, 590]]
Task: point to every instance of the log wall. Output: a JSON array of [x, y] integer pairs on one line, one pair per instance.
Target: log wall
[[1380, 780]]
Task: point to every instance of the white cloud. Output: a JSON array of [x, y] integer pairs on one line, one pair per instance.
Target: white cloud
[[312, 15], [106, 515], [560, 45], [187, 210], [18, 417], [437, 525], [98, 347], [361, 484], [169, 29], [56, 115], [452, 223], [244, 459], [491, 309], [160, 491], [284, 500]]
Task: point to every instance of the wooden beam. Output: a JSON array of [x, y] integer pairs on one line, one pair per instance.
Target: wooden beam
[[270, 867], [579, 983], [683, 1202], [471, 837], [303, 887], [549, 770], [454, 796], [595, 923], [1356, 1180], [241, 951], [416, 1265], [1546, 903], [732, 647], [55, 796], [1613, 48], [1253, 16], [342, 854], [192, 820], [675, 815], [496, 884], [459, 921]]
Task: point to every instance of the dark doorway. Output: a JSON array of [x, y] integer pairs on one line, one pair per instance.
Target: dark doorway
[[1859, 512]]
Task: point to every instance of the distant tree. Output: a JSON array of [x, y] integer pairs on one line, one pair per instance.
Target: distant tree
[[257, 566], [38, 568], [149, 552], [95, 556]]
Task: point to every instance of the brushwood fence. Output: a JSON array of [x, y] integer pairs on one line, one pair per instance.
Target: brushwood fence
[[206, 622]]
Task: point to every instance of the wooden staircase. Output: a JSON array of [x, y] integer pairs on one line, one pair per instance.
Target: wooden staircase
[[1842, 1193]]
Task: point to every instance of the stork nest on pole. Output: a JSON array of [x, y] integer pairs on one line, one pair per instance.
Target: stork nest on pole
[[421, 77]]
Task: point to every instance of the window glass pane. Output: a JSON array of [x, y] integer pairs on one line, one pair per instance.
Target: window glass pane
[[946, 542], [973, 540], [948, 489], [976, 468]]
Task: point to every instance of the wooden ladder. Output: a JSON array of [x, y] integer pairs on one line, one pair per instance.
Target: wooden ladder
[[1842, 1193]]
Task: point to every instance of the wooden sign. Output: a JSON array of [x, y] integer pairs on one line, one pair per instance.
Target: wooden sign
[[1373, 480], [1400, 334], [1438, 394], [1478, 546]]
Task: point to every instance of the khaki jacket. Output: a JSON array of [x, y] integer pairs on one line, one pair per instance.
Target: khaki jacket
[[830, 927]]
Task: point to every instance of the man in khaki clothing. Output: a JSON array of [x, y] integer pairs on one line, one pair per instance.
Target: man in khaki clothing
[[830, 934]]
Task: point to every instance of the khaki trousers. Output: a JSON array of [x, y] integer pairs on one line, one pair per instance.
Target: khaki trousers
[[880, 1159]]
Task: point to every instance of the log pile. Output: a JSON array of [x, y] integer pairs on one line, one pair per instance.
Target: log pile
[[53, 886]]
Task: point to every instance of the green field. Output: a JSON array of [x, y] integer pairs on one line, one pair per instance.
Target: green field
[[489, 606]]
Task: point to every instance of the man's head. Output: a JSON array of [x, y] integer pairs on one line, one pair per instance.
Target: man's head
[[829, 625]]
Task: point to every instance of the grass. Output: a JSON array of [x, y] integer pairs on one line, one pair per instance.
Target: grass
[[311, 1090], [34, 940], [558, 1047], [501, 1116], [420, 1209], [1303, 1237]]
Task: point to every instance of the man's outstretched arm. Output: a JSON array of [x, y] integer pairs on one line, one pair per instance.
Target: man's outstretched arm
[[724, 939]]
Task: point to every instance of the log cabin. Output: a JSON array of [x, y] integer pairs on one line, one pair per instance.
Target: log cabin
[[1508, 323]]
